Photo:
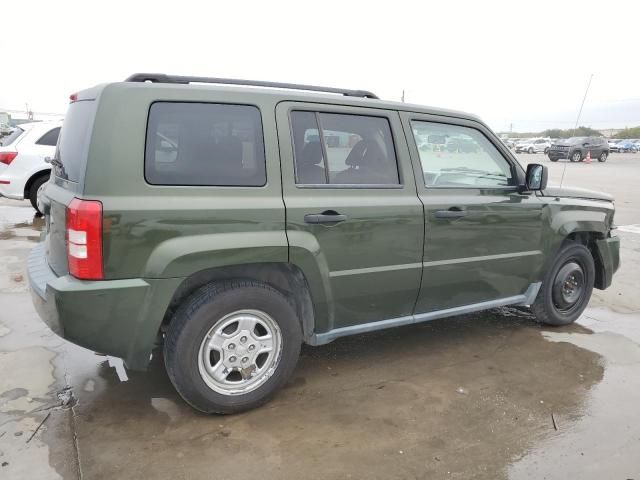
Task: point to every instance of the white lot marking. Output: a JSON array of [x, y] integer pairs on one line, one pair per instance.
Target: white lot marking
[[630, 228]]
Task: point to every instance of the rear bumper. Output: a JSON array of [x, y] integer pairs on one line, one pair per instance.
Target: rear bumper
[[609, 253], [115, 317], [9, 190]]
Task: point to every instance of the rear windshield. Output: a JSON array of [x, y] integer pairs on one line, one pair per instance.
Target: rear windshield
[[12, 137], [73, 144]]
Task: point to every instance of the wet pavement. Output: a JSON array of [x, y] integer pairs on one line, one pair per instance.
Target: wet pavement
[[492, 395]]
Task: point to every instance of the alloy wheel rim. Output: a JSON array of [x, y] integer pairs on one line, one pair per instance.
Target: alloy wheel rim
[[568, 286], [240, 352]]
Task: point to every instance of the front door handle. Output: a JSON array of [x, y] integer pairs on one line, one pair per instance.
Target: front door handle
[[328, 216], [453, 212]]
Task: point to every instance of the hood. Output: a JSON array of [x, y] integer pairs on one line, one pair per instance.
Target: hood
[[574, 192]]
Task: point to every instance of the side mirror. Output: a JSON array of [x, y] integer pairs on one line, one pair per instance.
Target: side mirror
[[537, 176]]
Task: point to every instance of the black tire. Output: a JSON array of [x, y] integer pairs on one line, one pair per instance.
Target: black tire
[[530, 151], [549, 307], [546, 150], [553, 159], [576, 156], [194, 319], [33, 191], [603, 157]]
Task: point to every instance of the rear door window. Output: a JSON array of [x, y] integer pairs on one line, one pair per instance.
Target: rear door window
[[205, 144], [50, 138], [343, 149]]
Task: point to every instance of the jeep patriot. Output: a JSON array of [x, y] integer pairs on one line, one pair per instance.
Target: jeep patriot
[[230, 224]]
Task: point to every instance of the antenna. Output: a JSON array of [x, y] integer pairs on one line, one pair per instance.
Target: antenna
[[577, 121]]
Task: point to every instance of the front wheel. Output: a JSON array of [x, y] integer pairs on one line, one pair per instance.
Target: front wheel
[[530, 151], [232, 345], [603, 157], [566, 287], [553, 159], [576, 156]]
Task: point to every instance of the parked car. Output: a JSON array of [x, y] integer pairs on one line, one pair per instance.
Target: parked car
[[613, 145], [252, 237], [5, 129], [533, 145], [23, 170], [576, 149], [627, 146]]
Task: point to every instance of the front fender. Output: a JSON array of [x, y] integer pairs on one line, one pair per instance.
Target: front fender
[[566, 217]]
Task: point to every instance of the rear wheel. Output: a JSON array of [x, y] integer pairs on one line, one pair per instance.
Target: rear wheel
[[232, 345], [530, 151], [566, 287], [35, 189]]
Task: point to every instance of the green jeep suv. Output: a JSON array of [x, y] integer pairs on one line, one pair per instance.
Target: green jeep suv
[[231, 224]]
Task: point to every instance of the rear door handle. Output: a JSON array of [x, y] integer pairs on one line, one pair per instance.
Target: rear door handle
[[328, 216], [453, 212]]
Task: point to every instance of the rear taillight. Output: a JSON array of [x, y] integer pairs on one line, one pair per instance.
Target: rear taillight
[[7, 157], [84, 239]]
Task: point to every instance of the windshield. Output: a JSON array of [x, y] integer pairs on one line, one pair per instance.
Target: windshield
[[12, 137], [577, 140]]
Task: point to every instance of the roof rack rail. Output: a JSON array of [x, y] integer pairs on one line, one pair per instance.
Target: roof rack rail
[[163, 78]]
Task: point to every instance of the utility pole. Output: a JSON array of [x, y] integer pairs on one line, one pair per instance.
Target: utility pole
[[402, 95]]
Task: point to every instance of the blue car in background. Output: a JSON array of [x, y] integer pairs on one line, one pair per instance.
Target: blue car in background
[[627, 146]]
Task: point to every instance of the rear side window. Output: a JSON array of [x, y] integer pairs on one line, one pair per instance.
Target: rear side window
[[343, 149], [205, 144], [50, 138], [12, 137]]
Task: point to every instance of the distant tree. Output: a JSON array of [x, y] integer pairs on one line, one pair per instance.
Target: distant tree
[[628, 133], [554, 133], [571, 132]]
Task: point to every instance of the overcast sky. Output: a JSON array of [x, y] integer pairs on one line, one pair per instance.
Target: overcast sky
[[526, 63]]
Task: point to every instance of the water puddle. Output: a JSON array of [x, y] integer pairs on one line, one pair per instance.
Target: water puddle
[[603, 442]]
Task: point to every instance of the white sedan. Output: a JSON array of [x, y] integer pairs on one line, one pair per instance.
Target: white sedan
[[23, 169]]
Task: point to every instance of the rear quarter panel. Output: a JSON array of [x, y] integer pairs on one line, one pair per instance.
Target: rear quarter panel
[[154, 231]]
